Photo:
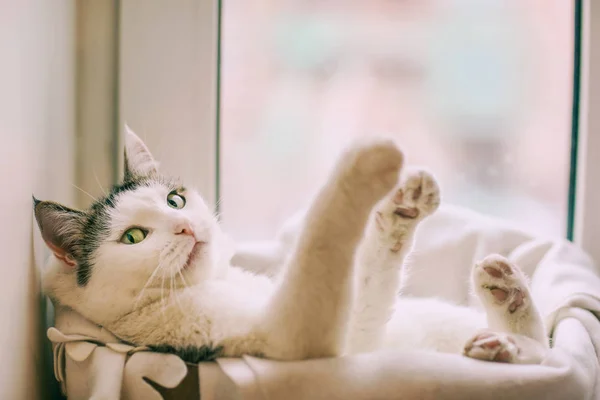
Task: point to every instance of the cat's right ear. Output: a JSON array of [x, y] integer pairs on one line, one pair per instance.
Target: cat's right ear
[[61, 228], [138, 159]]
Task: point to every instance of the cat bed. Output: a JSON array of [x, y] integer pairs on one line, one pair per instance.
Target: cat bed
[[90, 362]]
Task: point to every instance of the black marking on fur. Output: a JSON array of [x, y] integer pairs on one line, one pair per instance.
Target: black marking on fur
[[97, 227], [191, 354], [129, 176], [90, 228]]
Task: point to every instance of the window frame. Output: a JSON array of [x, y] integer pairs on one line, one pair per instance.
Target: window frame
[[177, 79], [586, 229]]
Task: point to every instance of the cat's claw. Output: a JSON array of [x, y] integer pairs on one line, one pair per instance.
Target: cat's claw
[[492, 346]]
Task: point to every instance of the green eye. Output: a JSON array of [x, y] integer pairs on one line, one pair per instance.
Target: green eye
[[175, 200], [133, 236]]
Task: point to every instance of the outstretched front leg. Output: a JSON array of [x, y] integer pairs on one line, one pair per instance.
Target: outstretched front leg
[[388, 240], [309, 312], [516, 328]]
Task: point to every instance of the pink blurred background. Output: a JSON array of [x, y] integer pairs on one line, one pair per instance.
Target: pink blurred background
[[479, 92]]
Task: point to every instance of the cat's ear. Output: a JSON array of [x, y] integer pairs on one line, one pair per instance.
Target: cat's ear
[[138, 159], [61, 228]]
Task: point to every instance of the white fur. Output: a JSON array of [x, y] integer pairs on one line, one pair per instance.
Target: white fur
[[337, 291]]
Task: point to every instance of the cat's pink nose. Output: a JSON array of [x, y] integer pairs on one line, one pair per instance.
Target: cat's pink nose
[[184, 229]]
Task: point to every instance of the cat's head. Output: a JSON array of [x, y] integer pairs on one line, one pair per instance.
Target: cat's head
[[149, 232]]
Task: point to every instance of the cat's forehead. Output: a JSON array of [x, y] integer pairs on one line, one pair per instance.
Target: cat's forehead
[[146, 187], [139, 189], [149, 193]]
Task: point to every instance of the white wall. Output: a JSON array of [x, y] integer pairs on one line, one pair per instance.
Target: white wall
[[36, 154]]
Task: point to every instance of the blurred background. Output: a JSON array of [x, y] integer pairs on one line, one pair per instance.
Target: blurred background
[[250, 101], [477, 91]]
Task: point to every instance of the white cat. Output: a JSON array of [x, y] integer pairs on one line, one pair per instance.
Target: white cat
[[150, 263]]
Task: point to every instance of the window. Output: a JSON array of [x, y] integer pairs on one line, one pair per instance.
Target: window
[[479, 92]]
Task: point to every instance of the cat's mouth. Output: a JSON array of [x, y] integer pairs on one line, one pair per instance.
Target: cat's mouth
[[193, 256]]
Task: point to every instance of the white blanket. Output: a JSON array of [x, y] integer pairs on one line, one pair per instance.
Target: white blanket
[[565, 284]]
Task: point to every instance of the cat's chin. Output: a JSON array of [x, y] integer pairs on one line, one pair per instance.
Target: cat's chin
[[199, 264], [196, 253]]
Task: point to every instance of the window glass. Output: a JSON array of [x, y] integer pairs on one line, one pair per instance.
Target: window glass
[[477, 91]]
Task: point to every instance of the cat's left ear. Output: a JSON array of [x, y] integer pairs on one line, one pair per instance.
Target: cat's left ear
[[61, 229], [138, 159]]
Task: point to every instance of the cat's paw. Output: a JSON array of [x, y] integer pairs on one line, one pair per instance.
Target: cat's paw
[[499, 282], [374, 165], [492, 346], [417, 196]]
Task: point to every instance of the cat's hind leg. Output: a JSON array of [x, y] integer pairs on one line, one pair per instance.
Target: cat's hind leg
[[388, 239], [505, 347], [516, 329], [504, 292]]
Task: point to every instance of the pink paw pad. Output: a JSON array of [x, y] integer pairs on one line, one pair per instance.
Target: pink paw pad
[[498, 269], [403, 211], [516, 297], [499, 294], [491, 347], [504, 283], [517, 301]]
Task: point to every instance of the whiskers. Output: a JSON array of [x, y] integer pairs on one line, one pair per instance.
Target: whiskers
[[99, 184], [148, 282], [169, 280], [174, 291], [84, 192]]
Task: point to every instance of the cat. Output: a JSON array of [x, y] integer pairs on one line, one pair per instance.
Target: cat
[[150, 263]]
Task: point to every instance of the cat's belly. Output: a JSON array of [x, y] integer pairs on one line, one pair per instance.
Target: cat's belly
[[430, 324]]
